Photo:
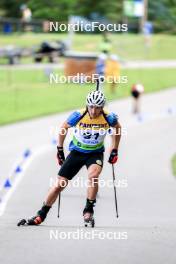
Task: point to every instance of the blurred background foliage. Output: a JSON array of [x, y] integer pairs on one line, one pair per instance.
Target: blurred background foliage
[[162, 12]]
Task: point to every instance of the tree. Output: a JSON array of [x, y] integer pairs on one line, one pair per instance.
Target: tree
[[165, 17], [111, 9], [162, 13], [58, 10]]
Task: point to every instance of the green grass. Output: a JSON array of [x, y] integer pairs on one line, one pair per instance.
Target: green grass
[[127, 46], [174, 164], [26, 94]]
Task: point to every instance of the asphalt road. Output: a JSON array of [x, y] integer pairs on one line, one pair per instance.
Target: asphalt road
[[145, 231]]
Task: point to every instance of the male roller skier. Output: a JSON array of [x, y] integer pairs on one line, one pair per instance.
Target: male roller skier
[[86, 148]]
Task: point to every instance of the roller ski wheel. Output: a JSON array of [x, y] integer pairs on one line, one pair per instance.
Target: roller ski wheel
[[89, 220], [22, 222]]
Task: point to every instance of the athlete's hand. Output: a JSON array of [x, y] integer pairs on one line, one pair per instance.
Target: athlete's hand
[[60, 155], [113, 156]]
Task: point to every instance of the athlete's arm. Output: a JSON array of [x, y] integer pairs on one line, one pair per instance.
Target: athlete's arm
[[116, 136], [113, 121], [61, 137], [115, 143], [62, 133], [70, 122]]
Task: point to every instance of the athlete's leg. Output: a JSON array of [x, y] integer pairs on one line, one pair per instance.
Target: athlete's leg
[[60, 184], [94, 166], [94, 171], [69, 169]]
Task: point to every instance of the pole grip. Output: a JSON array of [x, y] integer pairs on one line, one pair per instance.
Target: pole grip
[[98, 84]]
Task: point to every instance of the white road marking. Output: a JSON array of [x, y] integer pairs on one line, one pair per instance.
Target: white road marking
[[20, 176]]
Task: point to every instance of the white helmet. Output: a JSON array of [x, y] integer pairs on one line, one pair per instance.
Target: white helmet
[[96, 98]]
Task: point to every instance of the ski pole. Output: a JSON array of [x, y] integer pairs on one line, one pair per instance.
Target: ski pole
[[98, 84], [115, 192], [59, 205]]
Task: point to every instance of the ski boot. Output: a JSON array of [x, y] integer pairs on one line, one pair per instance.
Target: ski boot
[[38, 219], [88, 213]]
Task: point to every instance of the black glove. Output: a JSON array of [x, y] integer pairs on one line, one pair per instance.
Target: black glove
[[60, 155], [113, 156]]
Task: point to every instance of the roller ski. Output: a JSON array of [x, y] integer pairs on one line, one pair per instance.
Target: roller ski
[[89, 220], [88, 213], [36, 220]]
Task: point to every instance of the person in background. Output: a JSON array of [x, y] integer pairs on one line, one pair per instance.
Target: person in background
[[112, 72], [136, 92], [100, 68], [26, 16], [106, 45]]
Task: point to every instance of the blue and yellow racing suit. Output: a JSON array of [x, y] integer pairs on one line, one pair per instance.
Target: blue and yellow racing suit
[[89, 134]]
